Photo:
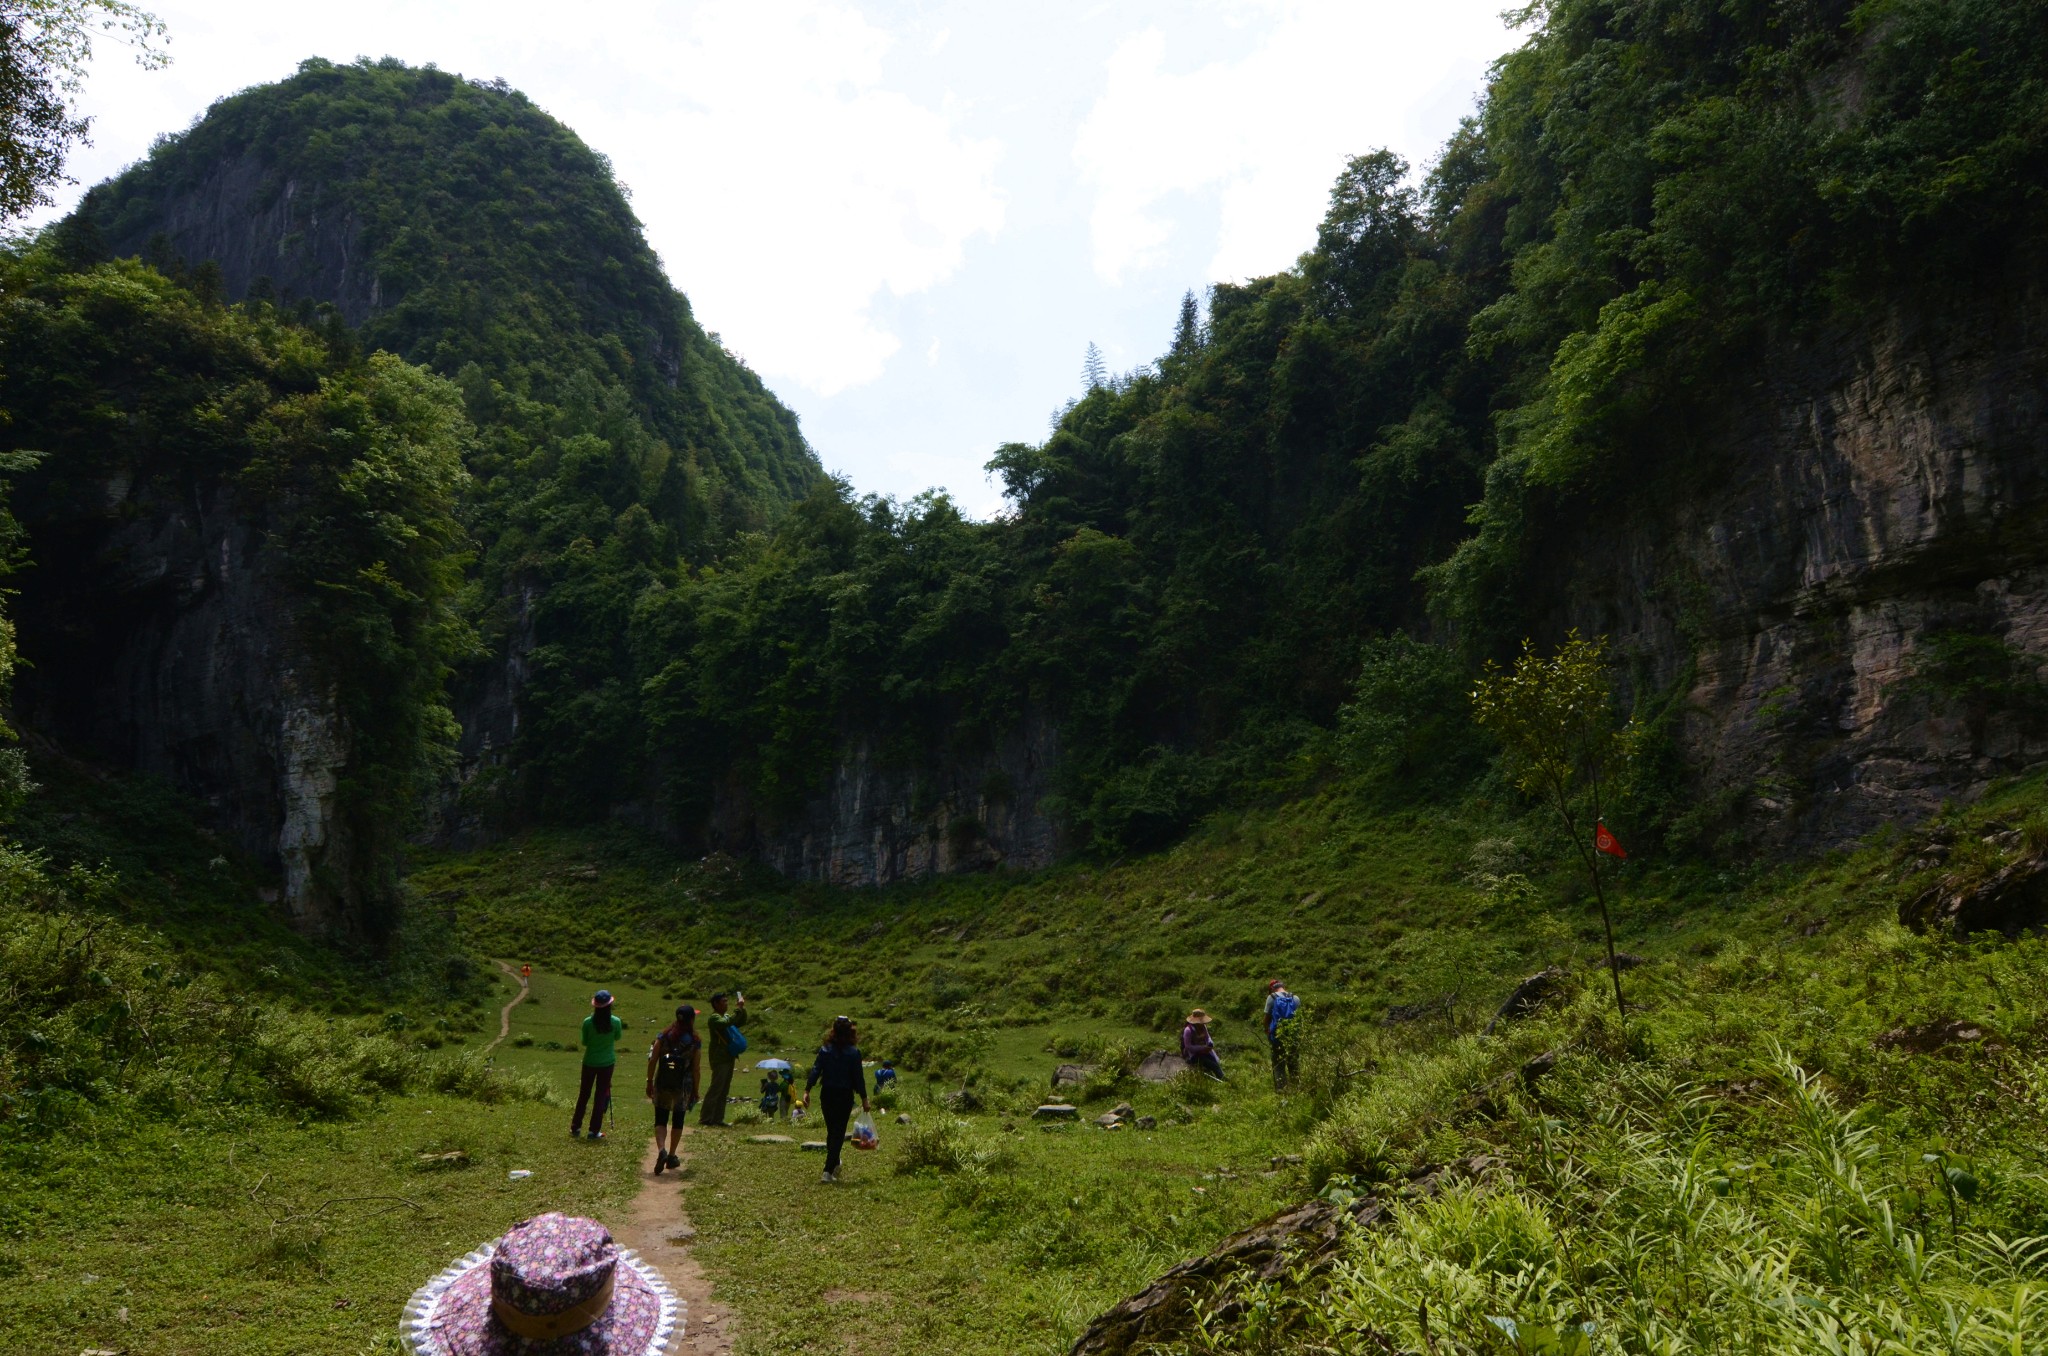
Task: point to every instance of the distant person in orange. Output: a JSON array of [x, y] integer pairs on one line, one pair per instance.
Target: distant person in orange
[[526, 972]]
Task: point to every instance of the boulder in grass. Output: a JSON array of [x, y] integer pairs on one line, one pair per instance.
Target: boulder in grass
[[1056, 1111], [1072, 1075], [1147, 1123], [1529, 995], [1161, 1067], [1124, 1111], [769, 1139], [1109, 1120]]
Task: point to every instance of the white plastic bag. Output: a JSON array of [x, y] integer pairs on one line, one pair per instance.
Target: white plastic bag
[[863, 1132]]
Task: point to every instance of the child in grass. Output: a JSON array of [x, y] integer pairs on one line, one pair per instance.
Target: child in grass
[[601, 1032], [672, 1069]]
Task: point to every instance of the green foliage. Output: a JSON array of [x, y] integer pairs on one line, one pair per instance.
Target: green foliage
[[1650, 194], [614, 437], [45, 46], [350, 468], [1407, 730], [103, 1020], [1555, 721]]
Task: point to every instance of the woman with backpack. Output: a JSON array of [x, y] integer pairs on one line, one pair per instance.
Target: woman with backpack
[[838, 1068], [672, 1069]]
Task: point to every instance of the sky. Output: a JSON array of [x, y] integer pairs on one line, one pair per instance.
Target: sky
[[910, 218]]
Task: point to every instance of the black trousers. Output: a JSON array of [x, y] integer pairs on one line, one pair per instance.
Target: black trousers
[[837, 1104], [598, 1081]]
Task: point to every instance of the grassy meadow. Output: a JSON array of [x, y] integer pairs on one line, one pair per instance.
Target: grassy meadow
[[1814, 1126]]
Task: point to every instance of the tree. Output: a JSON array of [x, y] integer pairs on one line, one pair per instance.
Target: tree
[[1187, 332], [1094, 372], [44, 48], [1554, 719]]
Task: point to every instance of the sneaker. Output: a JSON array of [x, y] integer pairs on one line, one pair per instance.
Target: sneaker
[[674, 1161], [660, 1162], [827, 1179], [575, 1133], [597, 1134]]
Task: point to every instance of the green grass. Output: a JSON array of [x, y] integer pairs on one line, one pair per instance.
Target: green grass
[[197, 1238], [1008, 1239], [1764, 1032]]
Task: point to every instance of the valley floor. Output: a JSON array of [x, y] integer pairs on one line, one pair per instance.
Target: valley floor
[[1774, 1014]]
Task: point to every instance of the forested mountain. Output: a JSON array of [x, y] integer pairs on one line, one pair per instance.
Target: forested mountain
[[602, 438], [1725, 316], [1715, 329], [458, 226]]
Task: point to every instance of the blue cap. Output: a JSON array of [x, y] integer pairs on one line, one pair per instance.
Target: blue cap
[[603, 999]]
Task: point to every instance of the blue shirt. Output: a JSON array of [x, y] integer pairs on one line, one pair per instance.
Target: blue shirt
[[838, 1068]]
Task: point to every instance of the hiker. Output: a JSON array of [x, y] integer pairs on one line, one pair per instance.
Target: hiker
[[672, 1069], [551, 1284], [718, 1045], [838, 1068], [1197, 1047], [1283, 1032], [601, 1032], [885, 1077]]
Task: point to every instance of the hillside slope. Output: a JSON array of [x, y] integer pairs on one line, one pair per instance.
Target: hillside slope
[[610, 440], [1716, 330], [453, 222]]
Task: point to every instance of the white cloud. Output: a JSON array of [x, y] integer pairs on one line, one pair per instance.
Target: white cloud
[[1264, 133], [840, 184], [786, 184], [790, 187]]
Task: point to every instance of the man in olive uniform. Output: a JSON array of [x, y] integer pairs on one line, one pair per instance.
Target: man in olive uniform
[[718, 1045]]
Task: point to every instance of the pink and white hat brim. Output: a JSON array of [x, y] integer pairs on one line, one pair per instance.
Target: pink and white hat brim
[[451, 1316]]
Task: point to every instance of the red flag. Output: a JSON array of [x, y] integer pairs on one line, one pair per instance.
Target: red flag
[[1607, 842]]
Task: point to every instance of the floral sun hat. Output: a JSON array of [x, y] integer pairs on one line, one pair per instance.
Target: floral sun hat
[[554, 1285]]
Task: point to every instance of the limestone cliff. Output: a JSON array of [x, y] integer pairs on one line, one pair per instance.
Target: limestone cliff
[[1877, 504], [877, 823], [157, 637]]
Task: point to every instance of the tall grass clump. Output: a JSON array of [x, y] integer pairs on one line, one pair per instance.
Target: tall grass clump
[[99, 1016], [1668, 1219]]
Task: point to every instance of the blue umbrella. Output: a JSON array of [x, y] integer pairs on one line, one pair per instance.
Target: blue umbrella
[[772, 1064]]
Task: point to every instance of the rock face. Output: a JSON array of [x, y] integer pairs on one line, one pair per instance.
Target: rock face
[[255, 225], [1877, 509], [877, 823], [159, 639]]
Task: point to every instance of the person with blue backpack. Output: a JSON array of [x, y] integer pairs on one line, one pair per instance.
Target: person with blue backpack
[[1283, 1032], [723, 1044]]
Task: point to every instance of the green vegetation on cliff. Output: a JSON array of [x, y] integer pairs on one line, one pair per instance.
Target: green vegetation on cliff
[[480, 238], [1554, 324], [349, 469]]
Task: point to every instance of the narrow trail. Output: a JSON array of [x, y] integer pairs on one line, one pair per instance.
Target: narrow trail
[[505, 1017], [656, 1228]]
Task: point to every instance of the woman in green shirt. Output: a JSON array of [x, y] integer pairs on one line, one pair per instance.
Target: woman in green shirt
[[601, 1032]]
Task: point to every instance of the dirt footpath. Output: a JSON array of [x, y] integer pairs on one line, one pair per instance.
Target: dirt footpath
[[657, 1229]]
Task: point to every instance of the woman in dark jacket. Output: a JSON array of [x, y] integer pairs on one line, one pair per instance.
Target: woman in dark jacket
[[838, 1068]]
